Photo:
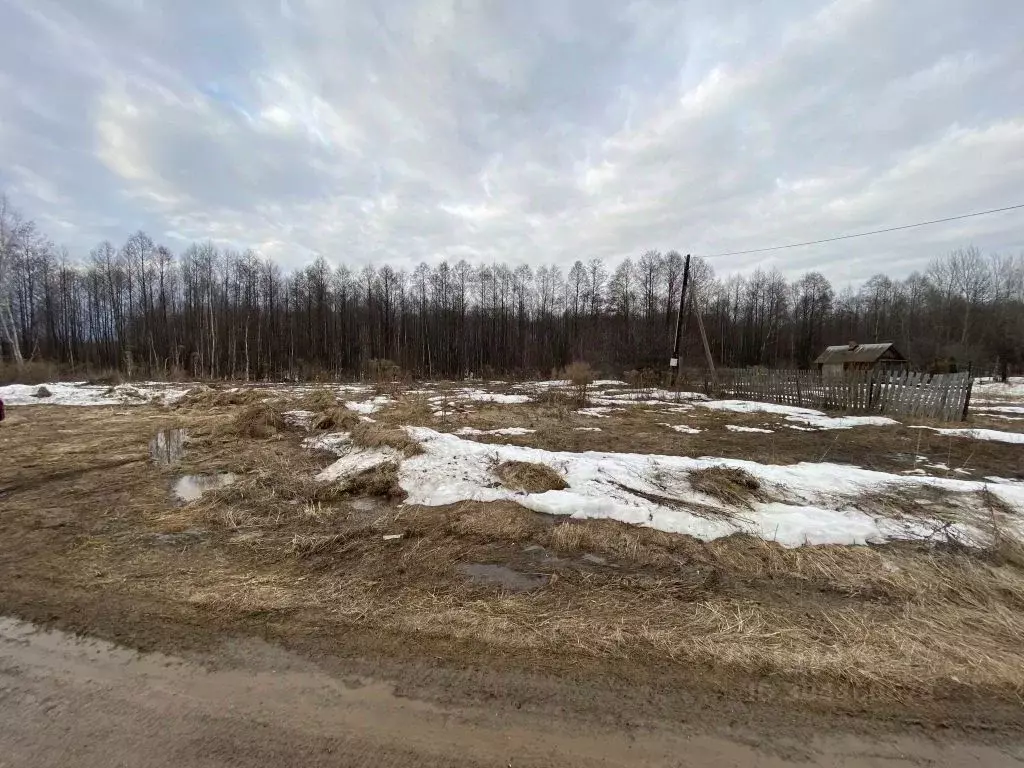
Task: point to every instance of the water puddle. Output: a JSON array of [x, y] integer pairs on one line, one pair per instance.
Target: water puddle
[[502, 576], [190, 487], [168, 446]]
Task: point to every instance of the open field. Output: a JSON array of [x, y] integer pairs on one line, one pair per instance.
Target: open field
[[645, 541]]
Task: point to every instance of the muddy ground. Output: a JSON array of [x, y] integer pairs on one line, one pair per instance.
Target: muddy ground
[[615, 630]]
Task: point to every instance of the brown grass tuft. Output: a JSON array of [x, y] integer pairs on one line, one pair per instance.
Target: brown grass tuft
[[501, 521], [381, 480], [207, 398], [259, 421], [529, 476], [337, 418], [319, 400], [732, 485], [370, 434]]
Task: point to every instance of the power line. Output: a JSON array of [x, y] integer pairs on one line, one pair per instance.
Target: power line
[[865, 234]]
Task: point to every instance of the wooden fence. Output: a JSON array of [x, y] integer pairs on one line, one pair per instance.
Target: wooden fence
[[939, 396]]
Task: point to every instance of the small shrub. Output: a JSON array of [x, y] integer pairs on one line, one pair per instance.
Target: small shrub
[[529, 477], [581, 375]]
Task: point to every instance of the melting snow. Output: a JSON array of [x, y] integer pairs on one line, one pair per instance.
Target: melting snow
[[738, 428], [301, 419], [482, 396], [82, 393], [680, 428], [366, 407], [814, 502], [979, 434], [600, 412], [351, 459], [750, 406], [843, 422], [503, 431]]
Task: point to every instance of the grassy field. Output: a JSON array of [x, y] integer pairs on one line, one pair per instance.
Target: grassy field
[[94, 540]]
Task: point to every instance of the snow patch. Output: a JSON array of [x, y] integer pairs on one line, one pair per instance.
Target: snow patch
[[812, 502], [751, 406], [680, 428], [843, 422], [366, 407], [738, 428], [512, 431], [85, 394], [994, 435]]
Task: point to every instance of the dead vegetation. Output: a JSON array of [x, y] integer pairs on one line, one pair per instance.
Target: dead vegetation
[[203, 397], [581, 376], [898, 625], [335, 418], [319, 400], [259, 421], [369, 434], [381, 480], [731, 485], [529, 477]]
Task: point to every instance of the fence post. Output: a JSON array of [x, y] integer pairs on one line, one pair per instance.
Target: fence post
[[967, 395]]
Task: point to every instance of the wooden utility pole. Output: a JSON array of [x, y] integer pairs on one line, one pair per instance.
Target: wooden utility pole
[[707, 348], [673, 363]]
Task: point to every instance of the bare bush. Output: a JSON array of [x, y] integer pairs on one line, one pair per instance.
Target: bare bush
[[581, 375]]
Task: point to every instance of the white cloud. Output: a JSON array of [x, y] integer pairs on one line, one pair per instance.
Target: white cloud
[[539, 132]]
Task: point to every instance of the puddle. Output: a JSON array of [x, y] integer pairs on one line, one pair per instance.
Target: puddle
[[190, 487], [502, 576], [168, 446]]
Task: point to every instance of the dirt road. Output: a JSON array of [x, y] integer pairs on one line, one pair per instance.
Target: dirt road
[[66, 701]]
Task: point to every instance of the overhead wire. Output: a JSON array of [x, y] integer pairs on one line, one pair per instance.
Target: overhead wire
[[865, 234]]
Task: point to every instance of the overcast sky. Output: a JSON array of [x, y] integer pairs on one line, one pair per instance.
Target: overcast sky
[[537, 131]]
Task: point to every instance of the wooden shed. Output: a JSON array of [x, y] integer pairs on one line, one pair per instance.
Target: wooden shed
[[837, 360]]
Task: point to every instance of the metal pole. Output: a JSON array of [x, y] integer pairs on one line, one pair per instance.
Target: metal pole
[[673, 363]]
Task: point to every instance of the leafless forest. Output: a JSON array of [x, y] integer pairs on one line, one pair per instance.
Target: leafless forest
[[212, 312]]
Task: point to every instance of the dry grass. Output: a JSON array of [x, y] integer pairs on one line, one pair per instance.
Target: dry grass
[[375, 435], [898, 624], [319, 400], [335, 418], [529, 477], [258, 421], [732, 485], [211, 398], [381, 480]]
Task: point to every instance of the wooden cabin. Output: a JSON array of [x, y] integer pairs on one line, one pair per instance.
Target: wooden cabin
[[837, 360]]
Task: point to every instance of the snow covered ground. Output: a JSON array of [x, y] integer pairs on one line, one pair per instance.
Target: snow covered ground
[[979, 434], [1012, 390], [809, 503], [81, 393]]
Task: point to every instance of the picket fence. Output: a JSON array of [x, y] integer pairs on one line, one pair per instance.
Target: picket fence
[[944, 397]]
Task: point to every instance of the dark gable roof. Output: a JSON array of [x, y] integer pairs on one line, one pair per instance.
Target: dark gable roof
[[862, 353]]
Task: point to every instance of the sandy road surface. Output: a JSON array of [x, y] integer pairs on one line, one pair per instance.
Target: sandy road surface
[[66, 701]]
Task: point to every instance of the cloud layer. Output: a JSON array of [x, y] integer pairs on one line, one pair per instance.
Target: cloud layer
[[539, 131]]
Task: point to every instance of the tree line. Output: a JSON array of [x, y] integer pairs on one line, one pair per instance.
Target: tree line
[[219, 313]]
